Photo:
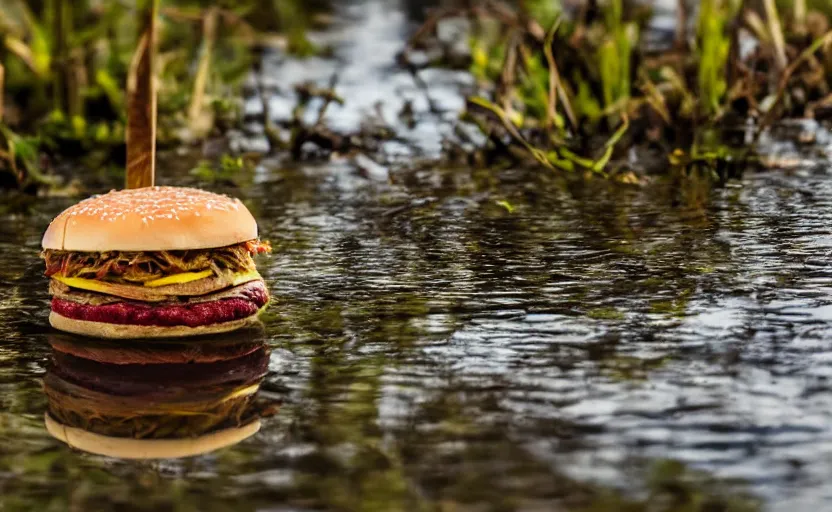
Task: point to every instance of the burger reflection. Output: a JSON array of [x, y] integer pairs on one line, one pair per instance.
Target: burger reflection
[[154, 400]]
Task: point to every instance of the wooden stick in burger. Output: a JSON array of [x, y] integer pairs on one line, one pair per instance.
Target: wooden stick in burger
[[141, 105], [148, 261]]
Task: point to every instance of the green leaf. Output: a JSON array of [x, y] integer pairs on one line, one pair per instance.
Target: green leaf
[[505, 204]]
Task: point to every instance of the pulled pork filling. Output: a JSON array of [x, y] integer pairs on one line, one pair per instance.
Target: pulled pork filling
[[140, 267]]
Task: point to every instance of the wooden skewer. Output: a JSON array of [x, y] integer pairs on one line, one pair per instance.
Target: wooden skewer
[[141, 105], [2, 89]]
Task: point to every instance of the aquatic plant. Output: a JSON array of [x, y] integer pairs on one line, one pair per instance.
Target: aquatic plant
[[615, 54], [714, 45], [575, 90]]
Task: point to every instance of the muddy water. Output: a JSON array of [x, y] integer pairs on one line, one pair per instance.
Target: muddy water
[[459, 340]]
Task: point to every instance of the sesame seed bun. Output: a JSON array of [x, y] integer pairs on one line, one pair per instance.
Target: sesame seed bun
[[128, 448], [151, 219]]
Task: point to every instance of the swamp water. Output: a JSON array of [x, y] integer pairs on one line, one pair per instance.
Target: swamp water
[[577, 347]]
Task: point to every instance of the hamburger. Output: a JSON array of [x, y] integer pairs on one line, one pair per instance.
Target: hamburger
[[154, 262], [138, 410]]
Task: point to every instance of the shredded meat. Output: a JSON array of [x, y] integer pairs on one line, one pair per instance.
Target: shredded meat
[[140, 267]]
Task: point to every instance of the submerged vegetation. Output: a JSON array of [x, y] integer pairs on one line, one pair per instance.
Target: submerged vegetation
[[583, 86]]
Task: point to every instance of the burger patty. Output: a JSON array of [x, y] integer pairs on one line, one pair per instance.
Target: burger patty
[[118, 292], [246, 302], [62, 291]]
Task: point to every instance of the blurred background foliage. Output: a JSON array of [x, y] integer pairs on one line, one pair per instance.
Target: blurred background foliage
[[577, 85], [594, 87], [64, 66]]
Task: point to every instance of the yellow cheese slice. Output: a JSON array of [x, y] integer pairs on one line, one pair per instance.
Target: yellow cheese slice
[[245, 277], [83, 284], [104, 287], [185, 277]]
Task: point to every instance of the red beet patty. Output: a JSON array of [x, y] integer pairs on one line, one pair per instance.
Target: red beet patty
[[192, 315]]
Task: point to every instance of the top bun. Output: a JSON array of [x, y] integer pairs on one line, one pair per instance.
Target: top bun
[[151, 219]]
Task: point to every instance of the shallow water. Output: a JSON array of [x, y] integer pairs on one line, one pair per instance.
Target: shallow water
[[433, 350]]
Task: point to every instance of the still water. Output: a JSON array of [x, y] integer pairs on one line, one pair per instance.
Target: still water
[[464, 340]]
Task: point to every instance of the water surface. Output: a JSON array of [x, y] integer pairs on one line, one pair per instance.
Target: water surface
[[430, 346]]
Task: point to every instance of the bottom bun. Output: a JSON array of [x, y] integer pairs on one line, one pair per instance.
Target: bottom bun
[[129, 448], [123, 331]]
